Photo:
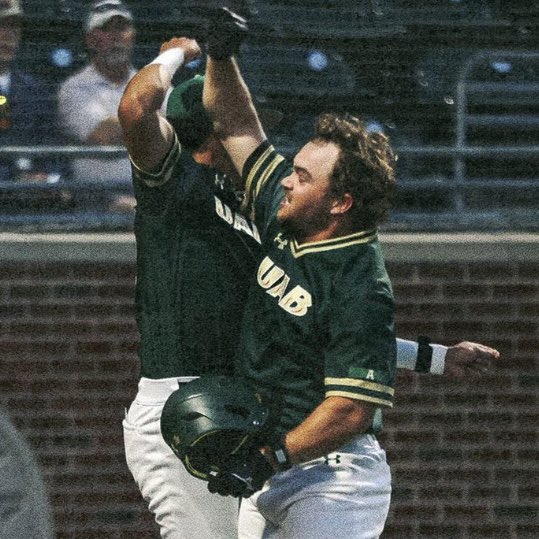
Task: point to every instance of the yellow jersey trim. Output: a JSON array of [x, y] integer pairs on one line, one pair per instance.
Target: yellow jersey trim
[[163, 175], [252, 174], [365, 384], [359, 397], [334, 243]]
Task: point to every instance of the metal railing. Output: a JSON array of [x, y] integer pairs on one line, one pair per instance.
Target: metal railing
[[454, 180], [461, 149], [91, 215], [59, 201]]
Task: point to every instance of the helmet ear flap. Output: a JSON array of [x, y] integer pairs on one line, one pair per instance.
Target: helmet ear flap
[[210, 418]]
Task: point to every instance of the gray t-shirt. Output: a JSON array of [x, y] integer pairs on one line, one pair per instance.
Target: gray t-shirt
[[84, 101]]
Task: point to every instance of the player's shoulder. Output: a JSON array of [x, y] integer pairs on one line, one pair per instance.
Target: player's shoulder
[[262, 173], [360, 258], [265, 158], [173, 166]]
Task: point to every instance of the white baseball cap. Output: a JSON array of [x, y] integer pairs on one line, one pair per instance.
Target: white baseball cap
[[10, 8], [102, 11]]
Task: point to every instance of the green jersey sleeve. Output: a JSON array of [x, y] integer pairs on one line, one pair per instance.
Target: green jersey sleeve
[[163, 175], [360, 359], [262, 174]]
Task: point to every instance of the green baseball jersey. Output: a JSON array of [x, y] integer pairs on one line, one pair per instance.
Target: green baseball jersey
[[319, 317], [195, 255]]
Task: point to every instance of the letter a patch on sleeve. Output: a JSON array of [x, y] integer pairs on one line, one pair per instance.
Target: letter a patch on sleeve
[[368, 374]]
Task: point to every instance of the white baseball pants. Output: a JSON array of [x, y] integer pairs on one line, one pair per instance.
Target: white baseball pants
[[181, 503], [345, 494]]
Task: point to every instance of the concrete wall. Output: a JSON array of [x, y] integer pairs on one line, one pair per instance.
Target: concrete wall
[[463, 454]]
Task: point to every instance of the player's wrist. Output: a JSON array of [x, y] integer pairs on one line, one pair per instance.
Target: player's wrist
[[171, 60], [282, 457], [438, 359], [277, 455], [430, 357]]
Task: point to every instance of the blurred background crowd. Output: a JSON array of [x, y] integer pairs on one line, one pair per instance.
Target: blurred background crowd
[[454, 83]]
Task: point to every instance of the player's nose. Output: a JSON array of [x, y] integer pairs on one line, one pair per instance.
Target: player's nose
[[286, 182]]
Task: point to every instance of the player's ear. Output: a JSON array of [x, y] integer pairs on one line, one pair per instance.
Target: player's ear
[[342, 204], [204, 157]]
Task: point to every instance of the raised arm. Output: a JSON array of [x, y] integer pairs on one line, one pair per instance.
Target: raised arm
[[148, 135], [226, 96]]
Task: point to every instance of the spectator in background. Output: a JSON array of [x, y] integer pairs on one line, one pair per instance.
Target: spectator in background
[[88, 101], [26, 114]]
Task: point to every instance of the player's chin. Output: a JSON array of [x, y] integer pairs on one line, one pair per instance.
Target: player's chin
[[282, 213]]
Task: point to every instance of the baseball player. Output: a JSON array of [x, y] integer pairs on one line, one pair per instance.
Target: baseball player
[[195, 257], [194, 254], [317, 339]]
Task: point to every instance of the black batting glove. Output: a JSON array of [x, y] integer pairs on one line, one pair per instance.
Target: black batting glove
[[241, 475], [226, 32]]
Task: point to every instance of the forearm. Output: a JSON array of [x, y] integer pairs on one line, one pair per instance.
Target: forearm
[[332, 424], [148, 135], [227, 98], [145, 93], [407, 352], [230, 106], [462, 360]]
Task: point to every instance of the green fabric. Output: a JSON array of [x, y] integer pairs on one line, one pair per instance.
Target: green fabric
[[193, 265], [187, 114], [319, 321]]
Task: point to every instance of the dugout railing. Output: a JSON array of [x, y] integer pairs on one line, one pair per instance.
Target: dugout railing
[[489, 177]]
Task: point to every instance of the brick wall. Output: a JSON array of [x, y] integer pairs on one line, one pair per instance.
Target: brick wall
[[463, 454]]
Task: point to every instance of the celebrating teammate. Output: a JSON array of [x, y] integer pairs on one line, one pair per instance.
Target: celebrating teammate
[[317, 341], [195, 257], [317, 338]]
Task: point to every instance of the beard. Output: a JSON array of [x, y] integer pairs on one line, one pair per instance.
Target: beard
[[291, 225]]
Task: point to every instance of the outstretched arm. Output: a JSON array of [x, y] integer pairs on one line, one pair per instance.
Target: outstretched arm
[[148, 135], [465, 359]]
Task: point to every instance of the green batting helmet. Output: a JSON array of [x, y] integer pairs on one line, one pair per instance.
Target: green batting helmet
[[210, 418]]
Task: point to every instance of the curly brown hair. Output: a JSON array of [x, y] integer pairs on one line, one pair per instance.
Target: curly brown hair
[[365, 167]]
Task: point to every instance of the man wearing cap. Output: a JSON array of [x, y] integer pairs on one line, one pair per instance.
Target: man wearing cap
[[88, 101], [26, 114]]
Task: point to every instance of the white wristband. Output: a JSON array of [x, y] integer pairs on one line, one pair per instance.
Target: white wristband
[[437, 365], [171, 60]]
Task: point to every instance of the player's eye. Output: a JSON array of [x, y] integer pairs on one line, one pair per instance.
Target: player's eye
[[303, 177]]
